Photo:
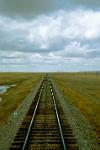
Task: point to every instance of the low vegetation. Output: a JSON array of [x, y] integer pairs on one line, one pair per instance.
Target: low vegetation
[[15, 95], [83, 90]]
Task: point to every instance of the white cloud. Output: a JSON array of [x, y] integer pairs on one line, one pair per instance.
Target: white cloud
[[82, 24], [77, 24], [53, 39]]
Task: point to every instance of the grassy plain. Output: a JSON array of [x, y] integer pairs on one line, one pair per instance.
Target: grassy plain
[[15, 95], [83, 90]]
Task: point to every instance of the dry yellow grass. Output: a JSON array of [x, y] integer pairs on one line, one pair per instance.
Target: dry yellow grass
[[15, 95], [83, 90]]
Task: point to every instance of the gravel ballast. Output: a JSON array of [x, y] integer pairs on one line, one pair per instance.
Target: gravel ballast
[[8, 131]]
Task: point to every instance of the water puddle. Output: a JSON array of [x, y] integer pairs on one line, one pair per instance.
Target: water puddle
[[4, 88]]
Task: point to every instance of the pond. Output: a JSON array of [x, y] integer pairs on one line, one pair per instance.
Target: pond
[[4, 88]]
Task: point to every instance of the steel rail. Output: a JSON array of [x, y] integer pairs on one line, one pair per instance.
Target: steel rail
[[31, 123], [58, 119]]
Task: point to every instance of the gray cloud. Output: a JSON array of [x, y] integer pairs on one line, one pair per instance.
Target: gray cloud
[[86, 3], [93, 54], [56, 35], [31, 8], [27, 8]]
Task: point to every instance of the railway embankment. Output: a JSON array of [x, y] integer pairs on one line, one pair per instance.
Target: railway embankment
[[86, 137], [8, 131]]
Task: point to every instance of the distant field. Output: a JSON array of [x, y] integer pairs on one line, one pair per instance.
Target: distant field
[[83, 90], [15, 95]]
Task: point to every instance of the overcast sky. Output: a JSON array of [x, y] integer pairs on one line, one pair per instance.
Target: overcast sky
[[49, 35]]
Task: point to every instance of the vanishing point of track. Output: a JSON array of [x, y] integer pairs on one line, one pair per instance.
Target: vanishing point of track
[[45, 126]]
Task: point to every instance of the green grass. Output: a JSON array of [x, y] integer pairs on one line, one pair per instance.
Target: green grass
[[15, 95], [83, 90]]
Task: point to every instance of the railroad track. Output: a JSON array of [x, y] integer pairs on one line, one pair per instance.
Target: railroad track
[[45, 126]]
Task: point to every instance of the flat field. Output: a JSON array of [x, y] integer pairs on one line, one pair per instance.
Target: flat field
[[83, 91], [11, 99]]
